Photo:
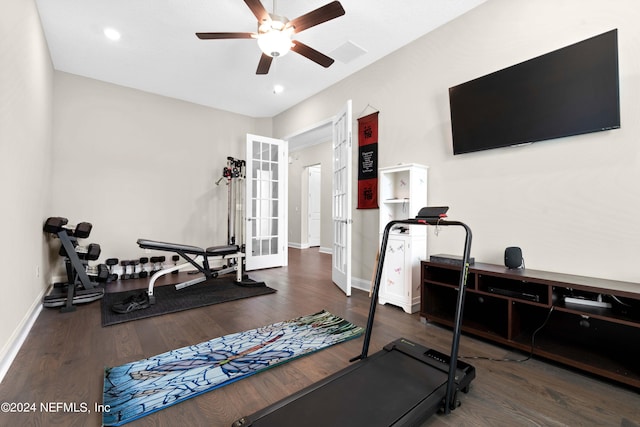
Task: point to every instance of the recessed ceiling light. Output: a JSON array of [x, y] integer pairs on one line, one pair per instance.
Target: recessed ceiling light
[[278, 89], [112, 34]]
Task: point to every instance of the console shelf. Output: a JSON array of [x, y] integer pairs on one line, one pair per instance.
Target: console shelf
[[508, 306]]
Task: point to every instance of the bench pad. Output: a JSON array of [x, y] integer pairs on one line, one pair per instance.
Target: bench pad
[[188, 249]]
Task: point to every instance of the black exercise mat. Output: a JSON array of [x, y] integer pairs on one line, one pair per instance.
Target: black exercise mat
[[170, 300]]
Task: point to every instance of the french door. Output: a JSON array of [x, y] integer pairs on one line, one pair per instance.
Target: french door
[[266, 204], [341, 200]]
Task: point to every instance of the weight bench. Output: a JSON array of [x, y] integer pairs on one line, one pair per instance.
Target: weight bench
[[191, 254]]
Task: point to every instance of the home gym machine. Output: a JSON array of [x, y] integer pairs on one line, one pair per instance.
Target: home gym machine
[[401, 385], [234, 171], [232, 253], [79, 288]]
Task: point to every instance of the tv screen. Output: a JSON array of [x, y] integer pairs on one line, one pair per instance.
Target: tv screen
[[570, 91]]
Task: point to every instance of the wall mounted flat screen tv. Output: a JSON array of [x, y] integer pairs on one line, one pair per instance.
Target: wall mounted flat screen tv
[[570, 91]]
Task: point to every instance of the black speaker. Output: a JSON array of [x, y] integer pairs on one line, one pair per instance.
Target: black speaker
[[513, 257]]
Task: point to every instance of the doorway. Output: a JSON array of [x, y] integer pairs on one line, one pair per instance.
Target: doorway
[[336, 230], [310, 157]]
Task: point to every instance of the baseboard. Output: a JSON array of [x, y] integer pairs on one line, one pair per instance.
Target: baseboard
[[362, 284], [20, 335], [321, 249]]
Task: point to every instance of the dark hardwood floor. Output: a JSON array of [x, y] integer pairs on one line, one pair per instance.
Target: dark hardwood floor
[[64, 356]]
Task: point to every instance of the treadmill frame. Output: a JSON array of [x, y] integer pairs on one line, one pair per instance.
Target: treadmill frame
[[455, 368], [462, 287]]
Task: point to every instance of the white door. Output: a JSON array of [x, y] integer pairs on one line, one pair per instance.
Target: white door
[[266, 204], [341, 200], [313, 236]]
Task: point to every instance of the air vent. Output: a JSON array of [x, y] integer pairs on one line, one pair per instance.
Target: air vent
[[347, 52]]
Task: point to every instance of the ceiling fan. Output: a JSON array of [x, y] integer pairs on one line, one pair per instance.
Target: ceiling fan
[[275, 33]]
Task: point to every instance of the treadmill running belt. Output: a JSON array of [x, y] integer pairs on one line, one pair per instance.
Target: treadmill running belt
[[390, 382]]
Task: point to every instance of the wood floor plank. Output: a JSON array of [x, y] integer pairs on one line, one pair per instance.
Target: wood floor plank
[[63, 358]]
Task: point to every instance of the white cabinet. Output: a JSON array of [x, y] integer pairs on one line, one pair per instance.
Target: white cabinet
[[403, 192]]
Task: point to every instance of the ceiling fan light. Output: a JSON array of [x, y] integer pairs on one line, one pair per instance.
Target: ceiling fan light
[[275, 43], [112, 34], [278, 23], [264, 27]]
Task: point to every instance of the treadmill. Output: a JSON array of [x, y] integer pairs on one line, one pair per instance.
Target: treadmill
[[401, 385]]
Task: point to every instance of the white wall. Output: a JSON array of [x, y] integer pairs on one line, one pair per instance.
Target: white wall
[[25, 149], [138, 165], [570, 204]]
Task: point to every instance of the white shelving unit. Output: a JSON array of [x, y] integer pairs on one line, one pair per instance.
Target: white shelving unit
[[402, 193]]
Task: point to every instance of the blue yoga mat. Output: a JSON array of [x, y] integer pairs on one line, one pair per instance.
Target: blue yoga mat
[[136, 389]]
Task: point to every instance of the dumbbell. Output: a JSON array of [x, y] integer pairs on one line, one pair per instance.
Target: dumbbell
[[134, 267], [56, 224], [175, 260], [143, 272], [90, 252], [125, 275], [110, 262], [82, 230], [87, 253], [153, 260], [99, 273], [157, 263]]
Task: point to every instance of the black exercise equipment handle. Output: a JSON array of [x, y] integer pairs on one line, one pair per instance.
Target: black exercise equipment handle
[[459, 304]]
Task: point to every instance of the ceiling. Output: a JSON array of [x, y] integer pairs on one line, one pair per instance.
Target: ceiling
[[159, 53]]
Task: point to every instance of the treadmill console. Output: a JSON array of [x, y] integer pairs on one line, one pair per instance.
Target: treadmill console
[[465, 372]]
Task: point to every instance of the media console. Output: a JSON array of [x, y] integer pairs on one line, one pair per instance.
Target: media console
[[507, 306]]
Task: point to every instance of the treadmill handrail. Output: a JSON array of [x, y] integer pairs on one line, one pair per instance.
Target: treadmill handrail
[[459, 302]]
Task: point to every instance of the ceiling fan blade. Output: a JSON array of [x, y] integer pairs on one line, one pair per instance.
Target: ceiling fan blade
[[322, 14], [213, 36], [258, 9], [264, 64], [312, 54]]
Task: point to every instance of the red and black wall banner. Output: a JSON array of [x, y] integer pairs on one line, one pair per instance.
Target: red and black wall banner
[[368, 161]]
